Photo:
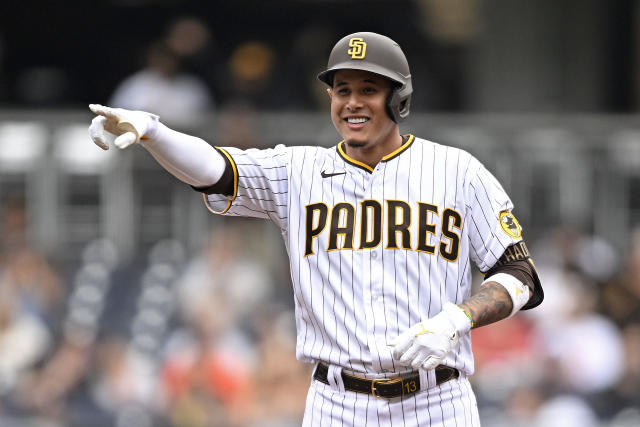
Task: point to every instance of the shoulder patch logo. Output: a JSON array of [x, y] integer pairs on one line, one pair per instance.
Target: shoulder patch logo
[[358, 48], [510, 224]]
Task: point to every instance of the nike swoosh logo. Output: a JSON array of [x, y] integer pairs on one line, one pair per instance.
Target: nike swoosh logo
[[328, 175]]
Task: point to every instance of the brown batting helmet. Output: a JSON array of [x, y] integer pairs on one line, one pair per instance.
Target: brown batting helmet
[[377, 54]]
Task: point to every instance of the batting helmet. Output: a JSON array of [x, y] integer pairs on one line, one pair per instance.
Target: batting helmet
[[380, 55]]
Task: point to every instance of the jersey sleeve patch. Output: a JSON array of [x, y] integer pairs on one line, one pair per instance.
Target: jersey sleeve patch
[[510, 225]]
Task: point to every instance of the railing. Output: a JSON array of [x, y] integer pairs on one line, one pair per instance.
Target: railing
[[575, 170]]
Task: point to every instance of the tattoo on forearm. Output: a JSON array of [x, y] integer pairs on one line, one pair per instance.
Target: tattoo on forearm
[[490, 304]]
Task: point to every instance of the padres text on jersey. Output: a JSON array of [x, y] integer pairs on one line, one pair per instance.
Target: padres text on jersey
[[396, 215]]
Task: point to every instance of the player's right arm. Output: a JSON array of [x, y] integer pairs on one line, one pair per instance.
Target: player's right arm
[[190, 159], [233, 182]]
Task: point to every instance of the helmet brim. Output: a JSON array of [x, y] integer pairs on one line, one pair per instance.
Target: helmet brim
[[327, 75]]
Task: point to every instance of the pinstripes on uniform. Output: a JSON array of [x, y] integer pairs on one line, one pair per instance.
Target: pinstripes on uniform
[[451, 404], [351, 301]]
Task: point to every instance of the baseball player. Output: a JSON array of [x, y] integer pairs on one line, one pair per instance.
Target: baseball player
[[380, 231]]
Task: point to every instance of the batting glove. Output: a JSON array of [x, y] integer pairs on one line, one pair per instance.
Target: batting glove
[[425, 344], [120, 127]]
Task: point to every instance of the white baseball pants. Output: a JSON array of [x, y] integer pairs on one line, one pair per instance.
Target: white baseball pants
[[453, 403]]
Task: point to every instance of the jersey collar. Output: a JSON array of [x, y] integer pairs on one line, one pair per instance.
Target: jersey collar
[[341, 151]]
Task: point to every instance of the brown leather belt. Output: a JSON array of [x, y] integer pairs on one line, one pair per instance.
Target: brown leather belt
[[389, 387]]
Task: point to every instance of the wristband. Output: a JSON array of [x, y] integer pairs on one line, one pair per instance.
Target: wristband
[[458, 317], [518, 291]]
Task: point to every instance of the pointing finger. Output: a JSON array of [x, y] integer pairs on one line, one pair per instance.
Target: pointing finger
[[97, 109], [101, 110]]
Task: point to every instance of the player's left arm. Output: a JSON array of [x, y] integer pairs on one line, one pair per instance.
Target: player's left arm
[[490, 304], [511, 285], [497, 247], [511, 282]]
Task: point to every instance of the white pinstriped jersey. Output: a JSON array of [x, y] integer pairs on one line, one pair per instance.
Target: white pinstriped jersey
[[373, 251]]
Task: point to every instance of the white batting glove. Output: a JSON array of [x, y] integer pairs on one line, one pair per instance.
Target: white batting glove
[[120, 127], [425, 344]]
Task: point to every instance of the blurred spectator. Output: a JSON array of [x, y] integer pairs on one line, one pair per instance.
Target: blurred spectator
[[116, 382], [188, 37], [206, 375], [25, 272], [225, 277], [624, 400], [302, 65], [259, 77], [564, 364], [35, 282], [568, 248], [620, 298], [447, 30], [46, 392], [251, 70], [210, 363], [194, 44], [14, 224], [506, 357], [620, 301], [163, 88], [449, 21], [566, 411], [24, 340], [280, 381], [580, 342]]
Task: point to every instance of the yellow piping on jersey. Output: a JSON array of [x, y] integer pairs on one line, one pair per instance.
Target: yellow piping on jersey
[[235, 184], [399, 150], [388, 157], [350, 160]]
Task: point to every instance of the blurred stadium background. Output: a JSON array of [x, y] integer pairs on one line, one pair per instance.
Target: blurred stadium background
[[123, 302]]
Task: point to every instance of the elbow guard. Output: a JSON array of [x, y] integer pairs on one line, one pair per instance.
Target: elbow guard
[[517, 263]]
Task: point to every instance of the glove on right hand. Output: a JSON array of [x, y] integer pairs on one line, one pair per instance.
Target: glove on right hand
[[120, 127]]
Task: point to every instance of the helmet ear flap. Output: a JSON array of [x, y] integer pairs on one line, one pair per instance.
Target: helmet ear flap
[[399, 103], [389, 110]]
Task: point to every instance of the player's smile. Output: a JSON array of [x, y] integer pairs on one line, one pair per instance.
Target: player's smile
[[359, 113], [356, 122]]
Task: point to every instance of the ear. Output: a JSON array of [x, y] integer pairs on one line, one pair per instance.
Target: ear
[[330, 92]]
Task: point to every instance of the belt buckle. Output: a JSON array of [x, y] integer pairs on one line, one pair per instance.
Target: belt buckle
[[385, 381]]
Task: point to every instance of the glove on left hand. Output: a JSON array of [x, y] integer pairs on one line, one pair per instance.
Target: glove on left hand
[[425, 344]]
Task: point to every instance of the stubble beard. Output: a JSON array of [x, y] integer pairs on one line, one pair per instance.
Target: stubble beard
[[353, 144]]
